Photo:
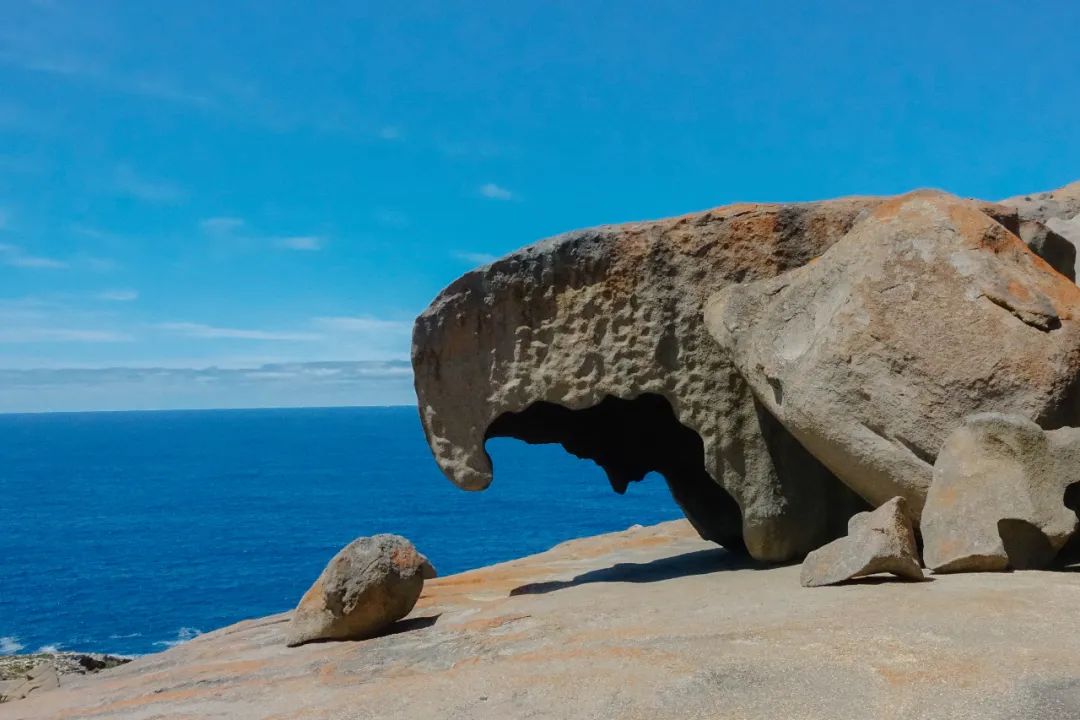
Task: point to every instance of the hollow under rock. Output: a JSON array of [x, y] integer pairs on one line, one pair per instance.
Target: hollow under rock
[[629, 439]]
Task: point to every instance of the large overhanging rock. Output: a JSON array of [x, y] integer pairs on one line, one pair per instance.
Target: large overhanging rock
[[594, 339], [927, 311], [998, 499]]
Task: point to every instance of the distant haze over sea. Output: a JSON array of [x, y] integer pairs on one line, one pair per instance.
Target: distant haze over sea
[[128, 532], [267, 385]]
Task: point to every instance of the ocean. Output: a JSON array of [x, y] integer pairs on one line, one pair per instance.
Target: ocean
[[129, 532]]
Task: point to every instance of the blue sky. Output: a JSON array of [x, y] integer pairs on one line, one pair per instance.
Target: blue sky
[[210, 204]]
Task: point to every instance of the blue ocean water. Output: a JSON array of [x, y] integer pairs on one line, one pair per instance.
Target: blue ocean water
[[129, 532]]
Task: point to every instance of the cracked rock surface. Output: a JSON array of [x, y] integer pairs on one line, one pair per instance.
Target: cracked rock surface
[[1050, 225], [879, 541], [927, 311], [998, 496]]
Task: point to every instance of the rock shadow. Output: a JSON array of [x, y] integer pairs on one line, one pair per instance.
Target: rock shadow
[[884, 579], [698, 562], [396, 628], [410, 624]]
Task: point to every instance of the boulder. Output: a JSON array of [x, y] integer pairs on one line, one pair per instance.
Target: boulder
[[594, 340], [370, 584], [881, 541], [1050, 225], [927, 311], [998, 496]]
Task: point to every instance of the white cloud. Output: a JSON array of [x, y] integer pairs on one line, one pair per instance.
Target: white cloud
[[14, 256], [280, 384], [61, 335], [128, 182], [221, 225], [118, 295], [331, 331], [476, 258], [211, 332], [10, 645], [495, 192], [236, 230], [300, 242], [362, 324]]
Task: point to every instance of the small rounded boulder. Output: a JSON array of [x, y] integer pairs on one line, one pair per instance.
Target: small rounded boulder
[[370, 584]]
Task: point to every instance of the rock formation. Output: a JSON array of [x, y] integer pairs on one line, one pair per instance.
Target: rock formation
[[22, 675], [854, 335], [39, 678], [1050, 225], [647, 624], [881, 541], [594, 339], [371, 583], [927, 311], [998, 496]]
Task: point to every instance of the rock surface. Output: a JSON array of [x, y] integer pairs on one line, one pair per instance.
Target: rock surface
[[1050, 225], [370, 584], [649, 624], [881, 541], [594, 339], [927, 311], [998, 496], [40, 677], [23, 674]]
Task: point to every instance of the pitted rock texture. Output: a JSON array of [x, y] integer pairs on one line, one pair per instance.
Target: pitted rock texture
[[1050, 225], [998, 499], [366, 587], [927, 311], [881, 541], [613, 315]]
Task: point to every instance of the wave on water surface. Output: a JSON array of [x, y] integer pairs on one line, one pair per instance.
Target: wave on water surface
[[183, 635], [9, 645]]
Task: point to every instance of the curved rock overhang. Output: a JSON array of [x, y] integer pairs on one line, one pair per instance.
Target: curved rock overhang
[[541, 343], [616, 312], [628, 439]]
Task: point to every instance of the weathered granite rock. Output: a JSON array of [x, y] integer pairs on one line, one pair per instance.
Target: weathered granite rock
[[926, 312], [25, 673], [594, 339], [41, 677], [65, 663], [1050, 225], [371, 583], [880, 541], [998, 495], [649, 624]]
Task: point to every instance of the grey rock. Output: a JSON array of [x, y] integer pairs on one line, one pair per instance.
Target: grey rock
[[927, 311], [881, 541], [1050, 225], [40, 677], [998, 496], [594, 339], [370, 584]]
